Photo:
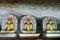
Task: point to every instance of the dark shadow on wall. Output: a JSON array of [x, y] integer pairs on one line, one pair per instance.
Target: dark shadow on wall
[[37, 2]]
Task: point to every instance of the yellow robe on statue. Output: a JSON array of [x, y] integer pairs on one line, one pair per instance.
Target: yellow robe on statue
[[9, 27], [50, 27], [28, 27]]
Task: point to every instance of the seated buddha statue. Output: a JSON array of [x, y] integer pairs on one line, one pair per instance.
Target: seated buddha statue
[[28, 25], [50, 25], [9, 25]]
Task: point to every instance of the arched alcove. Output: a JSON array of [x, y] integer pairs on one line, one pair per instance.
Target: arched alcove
[[32, 21]]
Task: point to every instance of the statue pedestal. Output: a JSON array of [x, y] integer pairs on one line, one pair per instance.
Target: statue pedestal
[[28, 31], [54, 35], [29, 35], [7, 34], [52, 32]]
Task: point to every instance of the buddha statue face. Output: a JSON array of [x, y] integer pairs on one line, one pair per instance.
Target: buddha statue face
[[28, 21], [50, 21], [9, 21]]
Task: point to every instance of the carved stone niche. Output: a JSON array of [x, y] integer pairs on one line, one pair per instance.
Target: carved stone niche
[[32, 26], [48, 32], [9, 26]]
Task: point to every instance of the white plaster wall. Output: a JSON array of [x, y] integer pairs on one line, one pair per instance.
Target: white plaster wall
[[29, 9]]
